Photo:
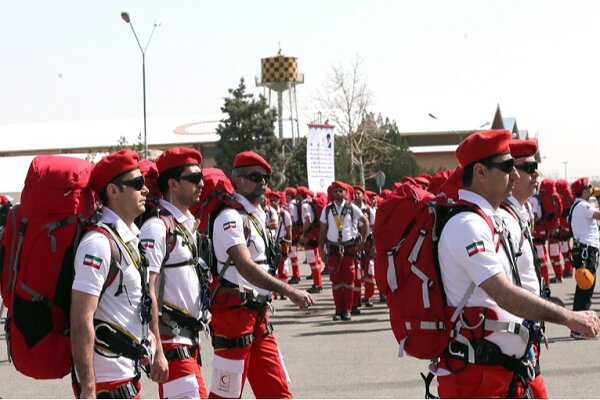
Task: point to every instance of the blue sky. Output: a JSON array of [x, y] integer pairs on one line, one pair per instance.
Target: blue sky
[[75, 60]]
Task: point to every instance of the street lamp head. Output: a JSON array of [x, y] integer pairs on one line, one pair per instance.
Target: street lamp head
[[484, 125], [158, 22], [432, 116], [125, 17]]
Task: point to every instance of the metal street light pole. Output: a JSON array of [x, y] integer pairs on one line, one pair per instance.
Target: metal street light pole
[[157, 23], [565, 162]]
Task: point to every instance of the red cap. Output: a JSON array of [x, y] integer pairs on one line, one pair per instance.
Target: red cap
[[337, 184], [111, 166], [304, 192], [523, 148], [177, 157], [483, 144], [282, 197], [249, 159], [578, 186], [421, 180], [370, 193], [272, 194], [359, 188], [291, 191]]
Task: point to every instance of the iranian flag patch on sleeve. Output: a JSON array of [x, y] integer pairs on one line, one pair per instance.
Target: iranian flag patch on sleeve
[[92, 261], [474, 248]]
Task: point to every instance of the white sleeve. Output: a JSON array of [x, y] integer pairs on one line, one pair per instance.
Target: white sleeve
[[153, 238], [92, 262]]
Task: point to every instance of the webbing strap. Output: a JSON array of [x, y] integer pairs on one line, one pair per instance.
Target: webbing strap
[[424, 285], [463, 302], [35, 295], [507, 326], [57, 224], [391, 271], [15, 265], [178, 353], [414, 254]]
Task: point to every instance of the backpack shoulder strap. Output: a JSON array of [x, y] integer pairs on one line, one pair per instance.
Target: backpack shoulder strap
[[115, 257]]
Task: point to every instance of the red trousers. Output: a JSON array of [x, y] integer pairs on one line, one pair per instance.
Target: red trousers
[[260, 362], [281, 273], [478, 382], [314, 261], [341, 274], [181, 368]]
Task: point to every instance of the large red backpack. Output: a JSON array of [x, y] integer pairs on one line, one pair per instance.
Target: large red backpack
[[407, 271], [317, 203], [37, 263], [566, 195], [552, 208]]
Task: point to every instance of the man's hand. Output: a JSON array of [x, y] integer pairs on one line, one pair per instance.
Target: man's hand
[[300, 298], [159, 370], [586, 323]]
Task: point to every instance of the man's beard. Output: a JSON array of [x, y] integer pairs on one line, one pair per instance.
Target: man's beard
[[257, 195]]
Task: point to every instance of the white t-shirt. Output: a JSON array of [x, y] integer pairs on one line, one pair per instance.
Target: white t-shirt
[[585, 228], [369, 213], [536, 208], [182, 287], [272, 216], [293, 210], [285, 221], [92, 261], [525, 260], [349, 224], [307, 211], [467, 253], [228, 231]]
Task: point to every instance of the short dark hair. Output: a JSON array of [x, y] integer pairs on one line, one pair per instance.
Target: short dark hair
[[163, 179]]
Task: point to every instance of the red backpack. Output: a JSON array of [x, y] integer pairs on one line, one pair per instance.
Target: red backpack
[[552, 207], [407, 271], [36, 261], [317, 203], [566, 195]]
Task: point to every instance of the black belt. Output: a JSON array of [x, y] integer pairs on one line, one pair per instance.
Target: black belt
[[113, 340], [222, 342], [182, 353], [125, 391], [248, 299]]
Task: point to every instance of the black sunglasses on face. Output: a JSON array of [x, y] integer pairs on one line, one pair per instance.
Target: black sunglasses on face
[[136, 183], [528, 167], [257, 177], [505, 166], [194, 178], [338, 190]]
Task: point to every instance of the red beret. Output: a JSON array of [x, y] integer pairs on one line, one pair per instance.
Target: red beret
[[290, 190], [579, 185], [250, 158], [370, 193], [177, 157], [337, 184], [150, 172], [523, 148], [303, 191], [272, 194], [282, 197], [483, 144], [358, 188], [111, 166]]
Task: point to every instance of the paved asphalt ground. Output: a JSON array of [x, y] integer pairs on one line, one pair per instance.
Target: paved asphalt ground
[[358, 358]]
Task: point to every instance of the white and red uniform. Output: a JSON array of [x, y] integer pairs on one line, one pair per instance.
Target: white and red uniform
[[366, 272], [342, 232], [233, 323], [467, 254], [527, 273], [311, 248], [540, 238], [92, 261], [181, 292], [296, 216], [284, 222]]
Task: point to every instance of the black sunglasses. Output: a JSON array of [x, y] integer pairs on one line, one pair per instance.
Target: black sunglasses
[[257, 177], [505, 166], [136, 183], [528, 167], [338, 190], [194, 178]]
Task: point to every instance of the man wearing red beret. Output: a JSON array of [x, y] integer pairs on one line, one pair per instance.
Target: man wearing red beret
[[341, 238], [176, 284], [478, 271], [517, 219], [584, 216], [282, 233], [294, 209], [109, 296], [242, 335], [366, 265]]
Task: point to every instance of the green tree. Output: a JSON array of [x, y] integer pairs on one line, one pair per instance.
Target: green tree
[[249, 125]]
